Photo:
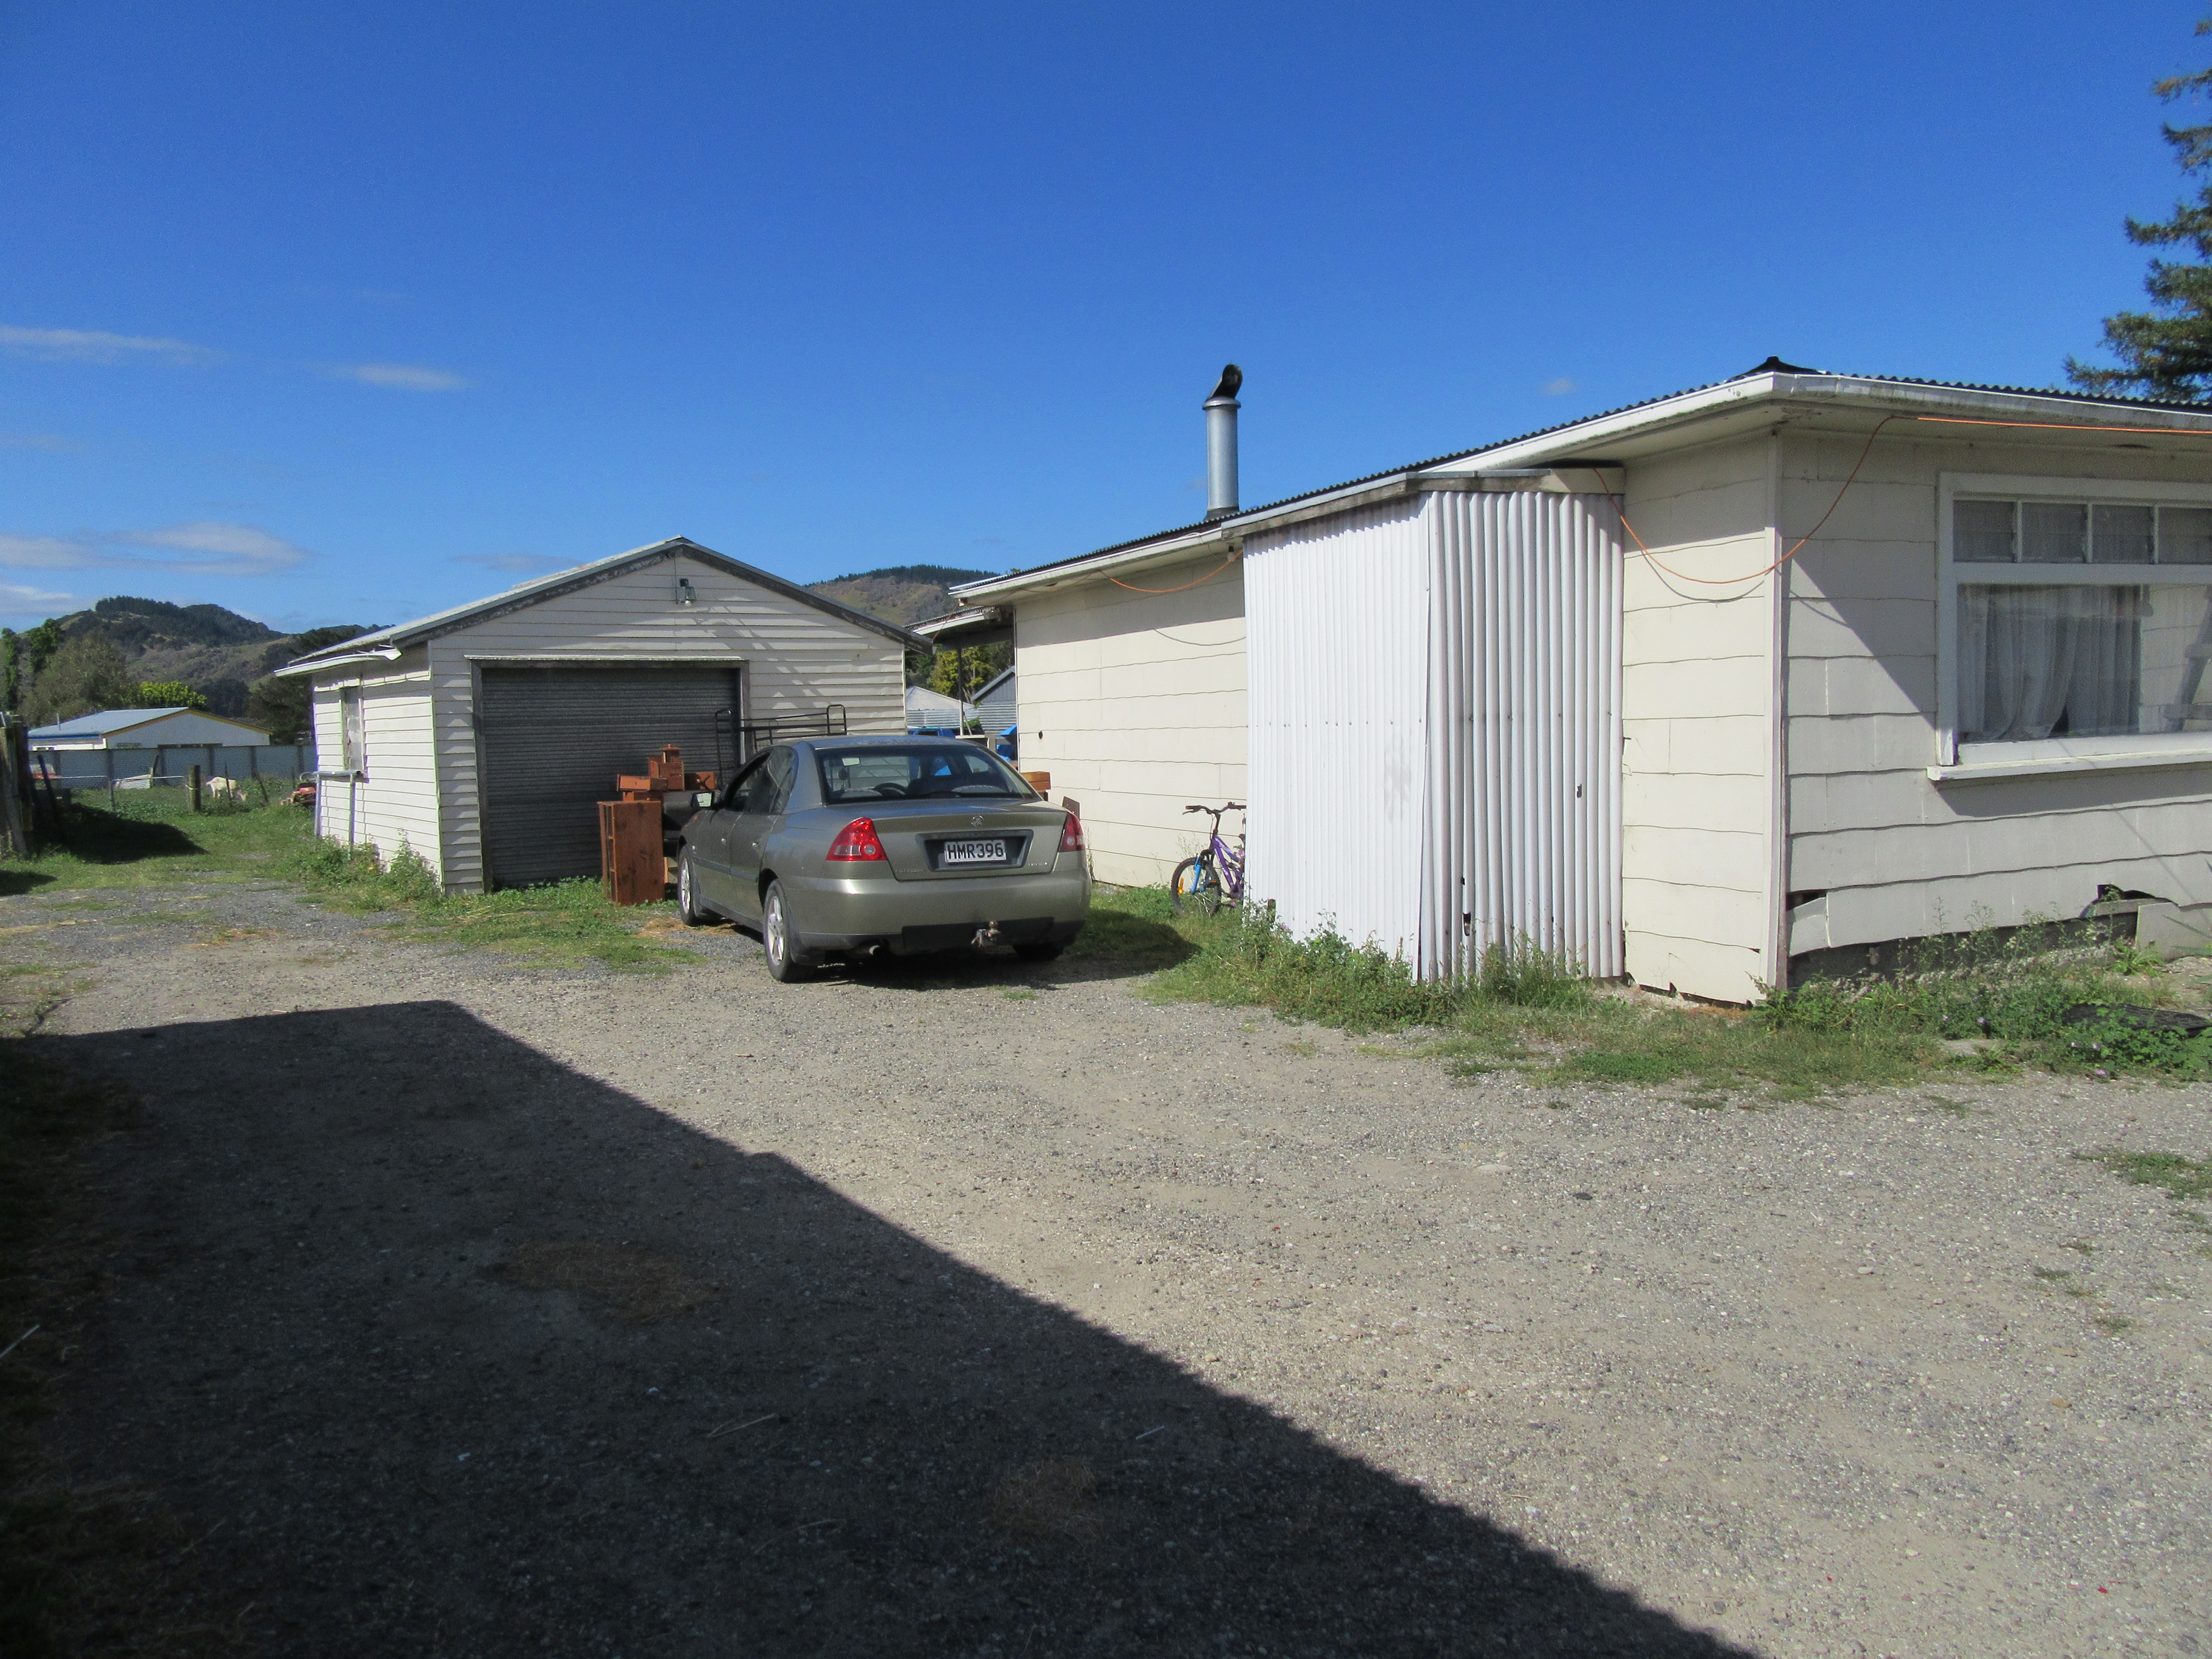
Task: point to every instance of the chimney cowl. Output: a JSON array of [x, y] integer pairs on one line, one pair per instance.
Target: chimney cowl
[[1221, 444]]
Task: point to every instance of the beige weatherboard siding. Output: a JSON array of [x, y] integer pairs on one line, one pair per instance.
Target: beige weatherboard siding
[[391, 802], [1893, 853], [1135, 702], [1698, 723], [792, 660]]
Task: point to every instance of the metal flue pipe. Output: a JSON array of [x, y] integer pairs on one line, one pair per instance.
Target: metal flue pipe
[[1221, 444]]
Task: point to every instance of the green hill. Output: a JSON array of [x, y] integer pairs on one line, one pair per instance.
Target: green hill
[[900, 594], [216, 651]]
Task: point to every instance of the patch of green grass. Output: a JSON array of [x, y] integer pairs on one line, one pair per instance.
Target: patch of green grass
[[2112, 1323], [2080, 1247], [563, 924], [2181, 1176], [1135, 926], [1018, 993], [2052, 1275], [1238, 957], [1527, 1009], [2014, 987], [153, 838], [2131, 960]]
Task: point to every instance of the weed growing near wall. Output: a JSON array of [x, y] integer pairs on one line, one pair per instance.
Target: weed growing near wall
[[561, 924], [1527, 1008]]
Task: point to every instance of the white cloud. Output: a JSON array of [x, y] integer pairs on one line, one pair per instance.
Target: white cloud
[[47, 441], [45, 553], [79, 345], [1558, 388], [15, 600], [215, 549], [208, 548], [520, 564], [402, 377]]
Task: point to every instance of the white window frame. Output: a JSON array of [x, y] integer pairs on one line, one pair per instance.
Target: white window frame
[[353, 729], [1957, 762]]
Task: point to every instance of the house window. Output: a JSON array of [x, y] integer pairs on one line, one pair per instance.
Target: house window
[[2078, 621], [356, 752]]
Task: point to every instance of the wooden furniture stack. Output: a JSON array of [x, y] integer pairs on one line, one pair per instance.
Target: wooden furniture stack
[[633, 863]]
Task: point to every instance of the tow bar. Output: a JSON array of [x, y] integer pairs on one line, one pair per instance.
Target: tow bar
[[987, 934]]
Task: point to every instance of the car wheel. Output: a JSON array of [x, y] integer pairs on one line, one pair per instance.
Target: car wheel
[[688, 908], [1039, 949], [786, 963]]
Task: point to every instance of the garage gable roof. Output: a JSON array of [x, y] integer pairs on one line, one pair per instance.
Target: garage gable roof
[[525, 594]]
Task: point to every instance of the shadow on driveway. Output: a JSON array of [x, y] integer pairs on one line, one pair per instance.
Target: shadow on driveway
[[471, 1354]]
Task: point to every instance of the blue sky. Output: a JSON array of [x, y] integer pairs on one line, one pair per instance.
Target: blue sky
[[345, 314]]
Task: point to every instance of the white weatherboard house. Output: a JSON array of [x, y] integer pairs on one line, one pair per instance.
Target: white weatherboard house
[[1752, 679], [147, 728], [483, 736]]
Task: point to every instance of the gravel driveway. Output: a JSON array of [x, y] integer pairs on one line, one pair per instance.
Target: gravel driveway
[[982, 1309]]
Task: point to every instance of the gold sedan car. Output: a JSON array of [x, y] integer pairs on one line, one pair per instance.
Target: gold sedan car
[[857, 845]]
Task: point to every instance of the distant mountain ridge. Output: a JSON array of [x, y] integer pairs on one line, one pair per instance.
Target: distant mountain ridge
[[216, 651], [221, 654], [900, 594]]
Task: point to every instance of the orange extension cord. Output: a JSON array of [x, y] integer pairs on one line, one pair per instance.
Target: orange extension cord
[[1200, 582]]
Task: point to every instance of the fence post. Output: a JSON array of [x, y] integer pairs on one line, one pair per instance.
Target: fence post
[[12, 784], [193, 777], [108, 754]]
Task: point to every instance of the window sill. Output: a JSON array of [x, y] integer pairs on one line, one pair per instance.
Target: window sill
[[2047, 765]]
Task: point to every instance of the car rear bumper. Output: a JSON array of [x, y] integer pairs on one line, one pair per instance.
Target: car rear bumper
[[835, 913]]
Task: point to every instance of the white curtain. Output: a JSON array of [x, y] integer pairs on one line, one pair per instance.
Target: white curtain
[[2033, 659]]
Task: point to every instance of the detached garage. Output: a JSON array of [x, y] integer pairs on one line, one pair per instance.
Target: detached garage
[[481, 737]]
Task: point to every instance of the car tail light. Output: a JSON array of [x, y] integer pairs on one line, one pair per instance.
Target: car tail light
[[857, 843], [1071, 838]]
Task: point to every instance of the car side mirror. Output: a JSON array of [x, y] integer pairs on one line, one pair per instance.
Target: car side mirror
[[703, 798]]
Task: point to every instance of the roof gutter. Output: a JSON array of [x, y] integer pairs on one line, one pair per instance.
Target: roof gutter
[[1227, 535], [316, 665], [1534, 455]]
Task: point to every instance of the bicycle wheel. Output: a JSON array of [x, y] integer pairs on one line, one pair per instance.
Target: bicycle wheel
[[1194, 882]]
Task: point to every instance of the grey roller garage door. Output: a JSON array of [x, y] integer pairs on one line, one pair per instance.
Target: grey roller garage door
[[554, 736]]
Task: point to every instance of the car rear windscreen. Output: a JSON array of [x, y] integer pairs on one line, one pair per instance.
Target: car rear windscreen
[[920, 773]]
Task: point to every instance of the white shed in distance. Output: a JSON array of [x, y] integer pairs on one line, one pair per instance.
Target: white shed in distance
[[147, 728], [481, 737]]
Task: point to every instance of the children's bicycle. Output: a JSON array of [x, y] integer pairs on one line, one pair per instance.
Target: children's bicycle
[[1218, 873]]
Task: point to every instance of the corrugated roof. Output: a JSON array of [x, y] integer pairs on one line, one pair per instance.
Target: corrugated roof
[[1771, 365], [107, 720], [542, 588]]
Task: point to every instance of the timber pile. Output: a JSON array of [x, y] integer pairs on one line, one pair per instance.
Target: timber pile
[[634, 827]]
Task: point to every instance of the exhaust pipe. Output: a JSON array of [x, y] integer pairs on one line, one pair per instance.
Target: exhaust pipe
[[1221, 444]]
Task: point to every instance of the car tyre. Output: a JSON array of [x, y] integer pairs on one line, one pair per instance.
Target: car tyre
[[786, 963], [689, 910], [1039, 949]]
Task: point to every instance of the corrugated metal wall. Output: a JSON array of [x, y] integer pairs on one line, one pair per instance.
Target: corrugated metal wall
[[1337, 612], [1435, 725], [1523, 830]]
